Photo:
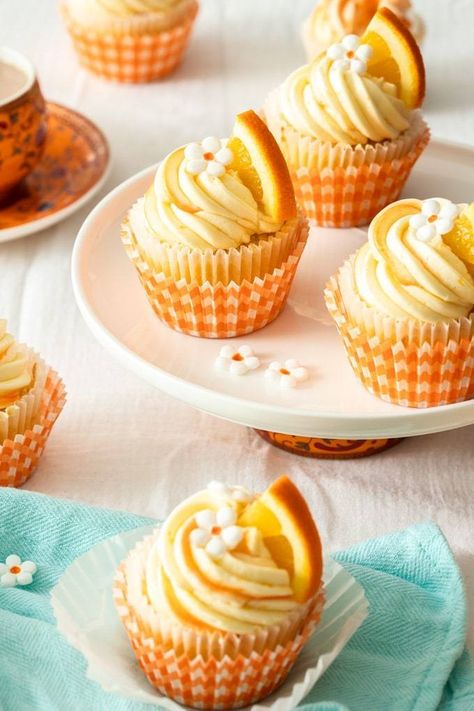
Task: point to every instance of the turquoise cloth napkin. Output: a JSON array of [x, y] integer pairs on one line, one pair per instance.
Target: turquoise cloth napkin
[[407, 655]]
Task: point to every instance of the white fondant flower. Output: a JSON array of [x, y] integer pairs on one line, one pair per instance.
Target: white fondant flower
[[237, 362], [350, 55], [288, 374], [238, 493], [216, 531], [209, 155], [15, 572], [435, 218]]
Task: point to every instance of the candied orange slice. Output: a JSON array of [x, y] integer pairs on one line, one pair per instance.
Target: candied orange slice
[[461, 237], [396, 56], [261, 166], [282, 516]]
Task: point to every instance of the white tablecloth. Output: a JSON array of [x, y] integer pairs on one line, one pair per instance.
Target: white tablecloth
[[119, 443]]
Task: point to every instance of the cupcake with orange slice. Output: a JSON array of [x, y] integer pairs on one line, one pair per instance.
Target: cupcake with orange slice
[[404, 304], [331, 20], [130, 40], [31, 397], [217, 238], [226, 591], [348, 123]]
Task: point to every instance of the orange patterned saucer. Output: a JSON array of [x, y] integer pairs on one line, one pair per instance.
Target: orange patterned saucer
[[73, 168], [320, 448]]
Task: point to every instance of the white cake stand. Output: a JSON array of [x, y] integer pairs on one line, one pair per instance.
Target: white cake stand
[[329, 415]]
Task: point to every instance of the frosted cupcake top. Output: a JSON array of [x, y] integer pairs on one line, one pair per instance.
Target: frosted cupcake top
[[335, 99], [101, 15], [207, 571], [332, 19], [198, 200], [15, 369], [411, 268]]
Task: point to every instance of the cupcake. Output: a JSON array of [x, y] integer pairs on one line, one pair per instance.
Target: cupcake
[[31, 398], [404, 303], [226, 591], [130, 40], [216, 239], [331, 20], [347, 123]]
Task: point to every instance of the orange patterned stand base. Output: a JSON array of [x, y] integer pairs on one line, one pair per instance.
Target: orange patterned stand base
[[320, 448]]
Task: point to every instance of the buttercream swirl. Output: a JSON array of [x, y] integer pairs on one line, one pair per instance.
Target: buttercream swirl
[[405, 277], [220, 577], [332, 19], [341, 106], [122, 8], [105, 15], [15, 369], [201, 211]]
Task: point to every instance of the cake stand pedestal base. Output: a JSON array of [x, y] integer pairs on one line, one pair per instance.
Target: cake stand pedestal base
[[320, 448]]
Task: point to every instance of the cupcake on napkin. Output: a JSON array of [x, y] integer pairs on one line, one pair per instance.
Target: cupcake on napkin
[[31, 398], [130, 40], [347, 123], [404, 304], [331, 20], [216, 239], [227, 591]]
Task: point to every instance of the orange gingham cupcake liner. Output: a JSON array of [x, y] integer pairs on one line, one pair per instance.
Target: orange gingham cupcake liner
[[341, 185], [19, 456], [216, 311], [131, 58], [407, 363], [212, 683]]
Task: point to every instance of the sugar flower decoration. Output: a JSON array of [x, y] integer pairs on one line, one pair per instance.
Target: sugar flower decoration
[[237, 362], [216, 531], [237, 493], [288, 374], [350, 55], [207, 156], [435, 219], [15, 572]]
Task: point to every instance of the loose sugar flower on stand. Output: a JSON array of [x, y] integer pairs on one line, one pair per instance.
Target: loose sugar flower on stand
[[237, 362]]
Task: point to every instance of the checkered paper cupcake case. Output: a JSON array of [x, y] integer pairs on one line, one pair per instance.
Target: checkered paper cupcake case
[[19, 457], [424, 368], [211, 683], [349, 197], [216, 311], [132, 58]]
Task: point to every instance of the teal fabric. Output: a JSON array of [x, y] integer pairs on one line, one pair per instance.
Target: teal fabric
[[407, 655]]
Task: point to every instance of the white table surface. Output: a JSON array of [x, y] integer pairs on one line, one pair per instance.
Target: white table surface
[[121, 444]]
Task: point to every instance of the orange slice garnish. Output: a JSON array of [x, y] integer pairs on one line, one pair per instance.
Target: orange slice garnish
[[461, 237], [261, 166], [282, 516], [396, 56]]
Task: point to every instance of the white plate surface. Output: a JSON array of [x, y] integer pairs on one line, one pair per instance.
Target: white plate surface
[[332, 403]]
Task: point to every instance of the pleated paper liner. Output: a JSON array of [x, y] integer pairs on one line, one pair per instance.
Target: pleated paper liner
[[21, 414], [132, 58], [217, 311], [20, 453], [86, 615], [228, 671], [261, 256], [344, 186], [405, 362]]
